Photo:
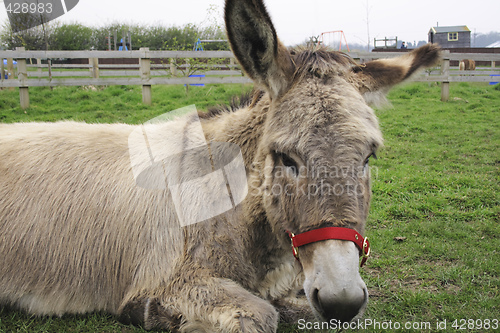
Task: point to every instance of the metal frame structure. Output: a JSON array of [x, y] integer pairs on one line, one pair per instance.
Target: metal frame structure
[[321, 38]]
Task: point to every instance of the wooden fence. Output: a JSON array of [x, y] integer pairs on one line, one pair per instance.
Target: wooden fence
[[147, 68]]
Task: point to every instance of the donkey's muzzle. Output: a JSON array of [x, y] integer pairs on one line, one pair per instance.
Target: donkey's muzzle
[[332, 282], [343, 306]]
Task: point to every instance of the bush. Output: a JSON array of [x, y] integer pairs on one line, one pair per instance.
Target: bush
[[71, 37], [75, 36]]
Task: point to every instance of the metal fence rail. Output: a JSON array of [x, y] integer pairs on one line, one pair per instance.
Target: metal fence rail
[[175, 67]]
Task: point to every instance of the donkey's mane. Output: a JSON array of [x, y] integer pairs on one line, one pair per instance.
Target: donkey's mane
[[246, 99], [318, 61]]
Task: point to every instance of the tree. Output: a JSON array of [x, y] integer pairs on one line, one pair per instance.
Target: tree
[[36, 38], [212, 28]]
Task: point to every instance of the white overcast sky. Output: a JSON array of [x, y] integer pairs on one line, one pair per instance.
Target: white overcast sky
[[295, 20]]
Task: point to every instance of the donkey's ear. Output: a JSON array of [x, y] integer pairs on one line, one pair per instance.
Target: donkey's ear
[[379, 75], [254, 43]]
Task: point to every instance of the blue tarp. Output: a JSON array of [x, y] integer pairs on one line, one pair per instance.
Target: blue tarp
[[197, 84], [494, 76], [5, 62]]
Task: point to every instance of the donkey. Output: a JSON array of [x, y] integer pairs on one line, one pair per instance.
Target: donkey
[[467, 65], [77, 234]]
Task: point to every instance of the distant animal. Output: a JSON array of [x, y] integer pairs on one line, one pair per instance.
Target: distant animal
[[467, 65], [77, 234]]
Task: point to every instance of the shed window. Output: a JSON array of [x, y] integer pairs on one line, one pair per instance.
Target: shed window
[[452, 36]]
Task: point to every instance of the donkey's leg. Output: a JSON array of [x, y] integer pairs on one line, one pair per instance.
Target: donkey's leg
[[220, 305], [149, 313], [203, 305], [291, 309]]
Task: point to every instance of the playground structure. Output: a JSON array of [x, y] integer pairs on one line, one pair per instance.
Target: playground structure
[[198, 46], [329, 38], [124, 44]]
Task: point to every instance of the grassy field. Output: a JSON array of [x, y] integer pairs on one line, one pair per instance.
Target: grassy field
[[435, 218], [110, 104]]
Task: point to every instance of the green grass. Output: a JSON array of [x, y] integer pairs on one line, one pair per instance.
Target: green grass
[[436, 183], [111, 104]]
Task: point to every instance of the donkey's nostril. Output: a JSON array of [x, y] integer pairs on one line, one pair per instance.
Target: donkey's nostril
[[315, 300], [343, 307]]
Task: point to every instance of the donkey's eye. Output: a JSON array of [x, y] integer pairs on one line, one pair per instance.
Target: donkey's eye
[[289, 163], [367, 161]]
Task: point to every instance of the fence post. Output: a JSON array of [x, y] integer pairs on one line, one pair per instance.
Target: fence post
[[445, 71], [10, 68], [173, 67], [22, 75], [10, 71], [94, 67], [145, 67], [39, 67], [2, 70]]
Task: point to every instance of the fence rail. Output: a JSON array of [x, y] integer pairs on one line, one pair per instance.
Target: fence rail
[[174, 67]]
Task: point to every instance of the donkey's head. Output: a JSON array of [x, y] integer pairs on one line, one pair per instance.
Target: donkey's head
[[318, 137]]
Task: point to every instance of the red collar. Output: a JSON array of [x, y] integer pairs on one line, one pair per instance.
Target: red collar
[[331, 233]]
